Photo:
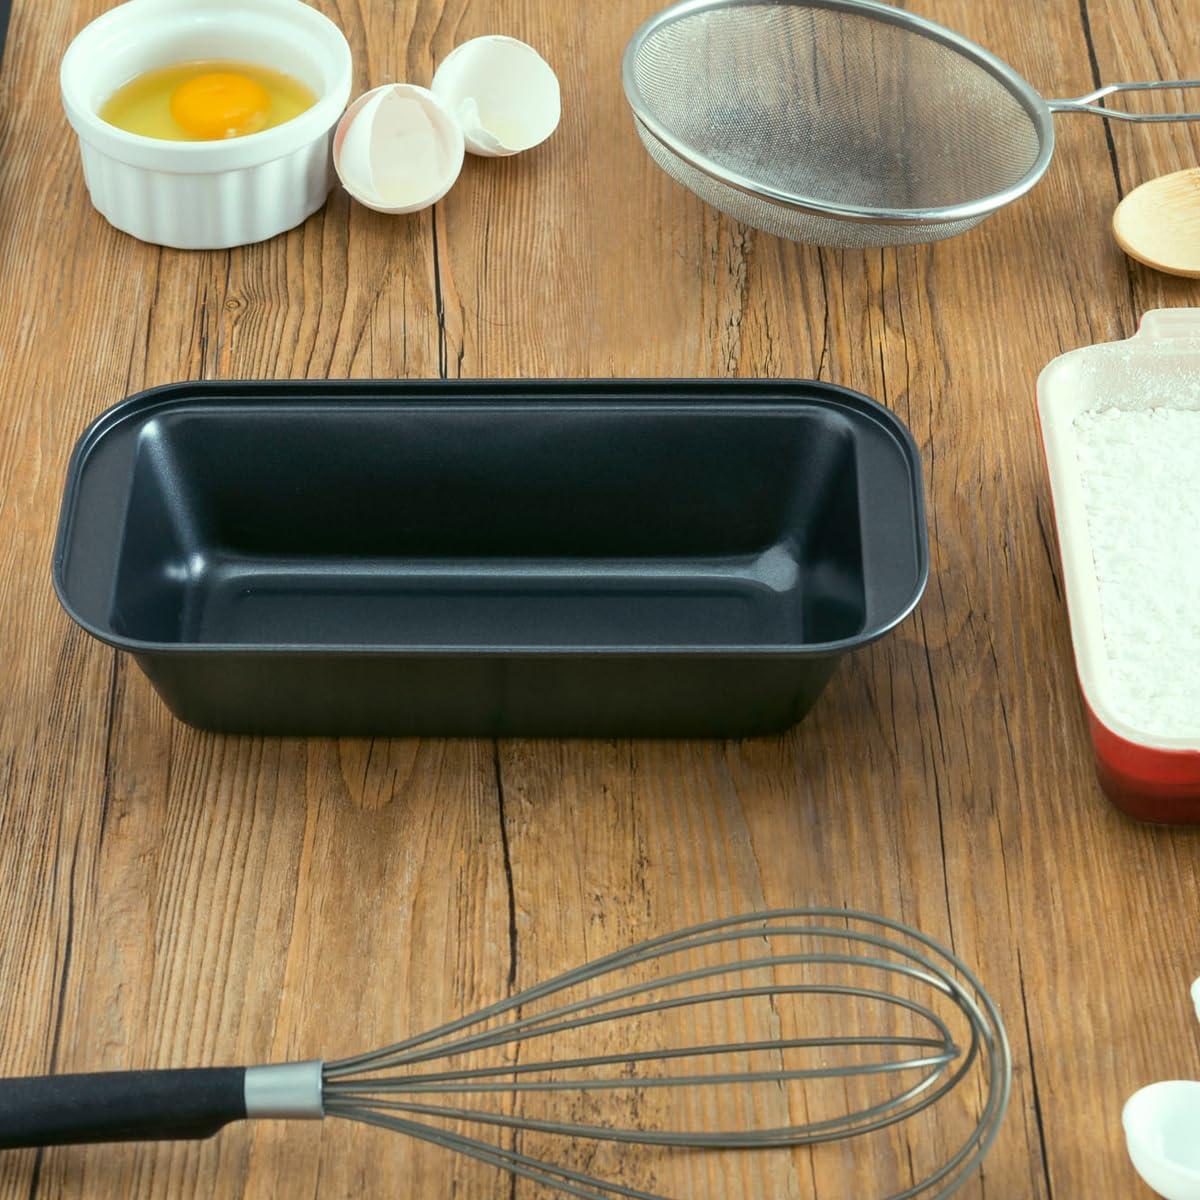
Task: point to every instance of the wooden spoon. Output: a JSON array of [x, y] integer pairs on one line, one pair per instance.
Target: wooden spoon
[[1159, 223]]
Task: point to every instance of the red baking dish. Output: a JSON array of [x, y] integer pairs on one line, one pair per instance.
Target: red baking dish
[[1148, 776]]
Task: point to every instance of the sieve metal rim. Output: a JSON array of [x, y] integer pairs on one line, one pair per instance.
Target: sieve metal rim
[[1030, 99]]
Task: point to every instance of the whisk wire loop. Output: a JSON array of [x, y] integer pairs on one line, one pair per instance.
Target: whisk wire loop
[[551, 1175], [400, 1053], [417, 1082], [835, 952]]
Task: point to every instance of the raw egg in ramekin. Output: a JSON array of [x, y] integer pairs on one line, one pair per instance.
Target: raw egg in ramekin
[[208, 194]]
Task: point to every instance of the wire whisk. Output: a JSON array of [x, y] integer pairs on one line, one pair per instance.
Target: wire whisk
[[796, 1028]]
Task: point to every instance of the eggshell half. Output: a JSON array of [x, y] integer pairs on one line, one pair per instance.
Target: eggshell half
[[502, 92], [398, 149]]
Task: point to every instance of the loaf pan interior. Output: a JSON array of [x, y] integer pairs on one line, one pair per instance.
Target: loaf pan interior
[[471, 525]]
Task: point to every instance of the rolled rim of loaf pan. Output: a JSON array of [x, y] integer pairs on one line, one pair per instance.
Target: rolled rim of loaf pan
[[670, 396]]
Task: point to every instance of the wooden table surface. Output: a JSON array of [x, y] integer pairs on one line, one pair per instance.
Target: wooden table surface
[[171, 897]]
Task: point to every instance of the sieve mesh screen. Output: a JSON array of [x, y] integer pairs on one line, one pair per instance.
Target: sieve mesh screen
[[831, 105]]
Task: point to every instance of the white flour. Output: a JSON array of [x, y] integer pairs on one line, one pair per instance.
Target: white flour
[[1140, 471]]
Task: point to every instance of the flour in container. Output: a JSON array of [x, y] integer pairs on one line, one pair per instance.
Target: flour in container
[[1140, 471]]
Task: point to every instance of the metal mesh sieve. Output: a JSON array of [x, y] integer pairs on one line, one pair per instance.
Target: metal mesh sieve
[[839, 122]]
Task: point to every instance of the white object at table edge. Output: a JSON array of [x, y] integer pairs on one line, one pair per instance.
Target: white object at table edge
[[1162, 1133]]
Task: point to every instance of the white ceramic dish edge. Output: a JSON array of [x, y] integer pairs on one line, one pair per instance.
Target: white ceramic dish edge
[[1176, 1181], [1146, 1139]]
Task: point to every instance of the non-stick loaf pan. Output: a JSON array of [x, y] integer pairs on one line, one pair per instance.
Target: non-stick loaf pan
[[486, 558]]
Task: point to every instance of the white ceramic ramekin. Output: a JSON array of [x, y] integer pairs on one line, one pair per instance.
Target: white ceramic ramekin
[[207, 195]]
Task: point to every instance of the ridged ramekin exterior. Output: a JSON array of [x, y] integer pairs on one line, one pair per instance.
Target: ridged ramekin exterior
[[211, 211]]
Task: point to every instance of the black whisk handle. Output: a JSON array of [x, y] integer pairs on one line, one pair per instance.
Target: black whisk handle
[[120, 1106]]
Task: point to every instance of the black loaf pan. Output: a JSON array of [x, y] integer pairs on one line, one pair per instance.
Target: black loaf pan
[[594, 558]]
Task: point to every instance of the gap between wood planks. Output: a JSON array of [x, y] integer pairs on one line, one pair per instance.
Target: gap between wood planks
[[1085, 20], [506, 849], [1033, 1081]]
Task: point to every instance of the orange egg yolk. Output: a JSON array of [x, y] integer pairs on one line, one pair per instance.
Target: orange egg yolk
[[221, 104]]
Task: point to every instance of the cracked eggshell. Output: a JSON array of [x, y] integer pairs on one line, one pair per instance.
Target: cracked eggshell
[[398, 149], [502, 92]]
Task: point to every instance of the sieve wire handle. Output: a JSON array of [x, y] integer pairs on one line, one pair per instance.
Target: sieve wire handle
[[1087, 104]]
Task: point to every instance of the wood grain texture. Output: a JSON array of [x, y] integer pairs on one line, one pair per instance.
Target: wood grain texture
[[169, 897]]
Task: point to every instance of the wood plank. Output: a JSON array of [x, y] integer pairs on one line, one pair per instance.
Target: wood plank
[[168, 897]]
